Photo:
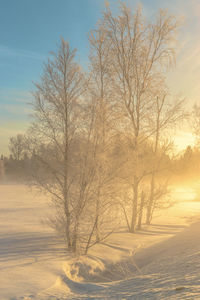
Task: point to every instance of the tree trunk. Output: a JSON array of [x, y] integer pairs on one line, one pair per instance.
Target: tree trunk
[[97, 214], [134, 204], [141, 211], [151, 199]]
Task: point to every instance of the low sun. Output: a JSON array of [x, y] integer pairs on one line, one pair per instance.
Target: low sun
[[184, 139]]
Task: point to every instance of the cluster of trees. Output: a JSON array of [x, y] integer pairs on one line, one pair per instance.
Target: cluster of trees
[[99, 139], [17, 166]]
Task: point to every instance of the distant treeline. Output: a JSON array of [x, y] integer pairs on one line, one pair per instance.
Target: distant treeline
[[15, 170], [186, 165]]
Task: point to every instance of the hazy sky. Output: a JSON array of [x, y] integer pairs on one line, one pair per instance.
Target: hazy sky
[[30, 29]]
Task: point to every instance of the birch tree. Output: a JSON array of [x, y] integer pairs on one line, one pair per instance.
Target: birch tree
[[101, 94], [54, 132], [140, 51], [166, 113]]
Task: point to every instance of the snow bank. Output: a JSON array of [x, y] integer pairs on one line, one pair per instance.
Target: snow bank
[[83, 268]]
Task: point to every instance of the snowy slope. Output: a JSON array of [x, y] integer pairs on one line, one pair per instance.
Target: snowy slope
[[168, 270], [160, 262]]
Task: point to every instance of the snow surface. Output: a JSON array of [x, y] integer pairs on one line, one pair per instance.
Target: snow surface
[[162, 261]]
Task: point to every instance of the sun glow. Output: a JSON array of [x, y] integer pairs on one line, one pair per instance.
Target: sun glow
[[184, 139], [184, 193]]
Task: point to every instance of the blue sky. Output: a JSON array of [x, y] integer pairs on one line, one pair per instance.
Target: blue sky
[[30, 29]]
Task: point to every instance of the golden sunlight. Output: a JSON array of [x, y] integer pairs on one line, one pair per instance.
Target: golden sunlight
[[99, 150], [184, 139]]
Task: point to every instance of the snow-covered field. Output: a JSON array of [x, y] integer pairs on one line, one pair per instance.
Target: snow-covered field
[[160, 262]]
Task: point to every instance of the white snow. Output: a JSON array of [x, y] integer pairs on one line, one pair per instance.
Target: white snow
[[162, 261]]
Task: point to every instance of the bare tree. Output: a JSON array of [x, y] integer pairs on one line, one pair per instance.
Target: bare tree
[[16, 146], [126, 154], [54, 132], [101, 95], [165, 114], [139, 51]]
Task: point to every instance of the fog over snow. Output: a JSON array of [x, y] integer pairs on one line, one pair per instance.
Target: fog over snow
[[160, 262]]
